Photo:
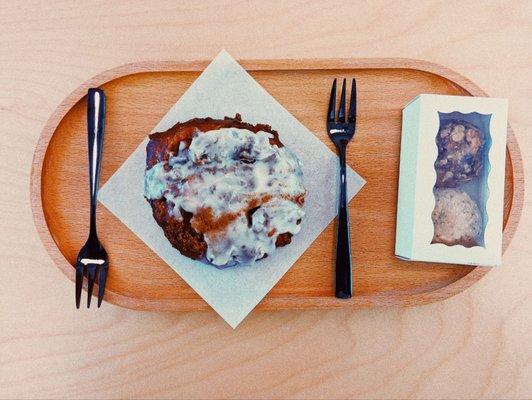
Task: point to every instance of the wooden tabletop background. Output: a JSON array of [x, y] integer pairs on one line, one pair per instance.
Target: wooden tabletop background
[[474, 345]]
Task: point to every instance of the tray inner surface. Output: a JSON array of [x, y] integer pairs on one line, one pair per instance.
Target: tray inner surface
[[137, 102]]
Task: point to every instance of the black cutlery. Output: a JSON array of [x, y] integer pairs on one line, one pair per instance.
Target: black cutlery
[[341, 130], [92, 258]]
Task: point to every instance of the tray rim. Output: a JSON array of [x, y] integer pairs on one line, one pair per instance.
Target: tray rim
[[267, 303]]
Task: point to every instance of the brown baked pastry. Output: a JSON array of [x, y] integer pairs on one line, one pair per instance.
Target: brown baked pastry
[[460, 153], [456, 218], [224, 191]]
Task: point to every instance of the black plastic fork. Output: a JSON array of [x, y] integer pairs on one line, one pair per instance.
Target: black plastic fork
[[92, 257], [341, 130]]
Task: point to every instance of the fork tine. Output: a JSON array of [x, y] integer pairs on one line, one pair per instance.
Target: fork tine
[[353, 102], [91, 275], [341, 110], [102, 278], [331, 114], [79, 283]]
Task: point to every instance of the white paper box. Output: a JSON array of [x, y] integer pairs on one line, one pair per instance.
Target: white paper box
[[417, 178]]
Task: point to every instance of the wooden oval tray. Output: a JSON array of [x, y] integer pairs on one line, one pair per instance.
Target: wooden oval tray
[[140, 94]]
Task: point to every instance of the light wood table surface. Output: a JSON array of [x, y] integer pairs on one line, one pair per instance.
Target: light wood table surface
[[475, 345]]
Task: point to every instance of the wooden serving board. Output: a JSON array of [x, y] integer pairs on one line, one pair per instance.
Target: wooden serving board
[[140, 94]]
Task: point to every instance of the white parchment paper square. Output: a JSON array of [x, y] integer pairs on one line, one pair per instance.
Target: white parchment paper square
[[224, 89]]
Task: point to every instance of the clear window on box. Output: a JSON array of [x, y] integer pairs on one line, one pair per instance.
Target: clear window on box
[[462, 168]]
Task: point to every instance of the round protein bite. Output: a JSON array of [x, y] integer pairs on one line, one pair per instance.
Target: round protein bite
[[224, 191], [460, 153], [456, 218]]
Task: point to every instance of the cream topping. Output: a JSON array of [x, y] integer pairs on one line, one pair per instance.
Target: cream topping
[[227, 171]]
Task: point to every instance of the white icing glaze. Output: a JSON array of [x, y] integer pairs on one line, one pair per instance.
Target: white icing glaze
[[224, 170]]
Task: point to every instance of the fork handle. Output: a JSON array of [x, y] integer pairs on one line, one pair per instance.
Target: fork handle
[[95, 130], [343, 247]]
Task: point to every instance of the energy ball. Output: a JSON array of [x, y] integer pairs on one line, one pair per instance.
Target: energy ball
[[456, 218], [460, 153]]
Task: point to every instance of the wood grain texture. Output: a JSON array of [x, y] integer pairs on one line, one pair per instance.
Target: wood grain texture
[[140, 93], [473, 345]]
